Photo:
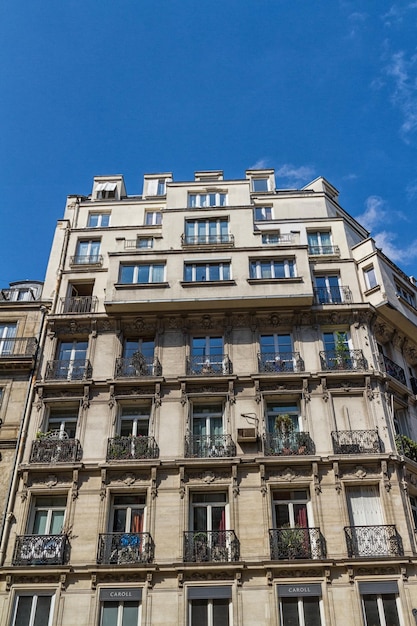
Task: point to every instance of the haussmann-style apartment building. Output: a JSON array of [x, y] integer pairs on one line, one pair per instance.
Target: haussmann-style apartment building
[[221, 431]]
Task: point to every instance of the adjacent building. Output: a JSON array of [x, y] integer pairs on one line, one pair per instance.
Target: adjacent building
[[223, 422]]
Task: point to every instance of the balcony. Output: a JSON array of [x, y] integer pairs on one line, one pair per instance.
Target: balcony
[[209, 446], [124, 548], [406, 447], [207, 240], [356, 442], [40, 550], [280, 362], [373, 541], [216, 365], [332, 295], [78, 304], [78, 369], [296, 543], [137, 365], [394, 370], [217, 546], [291, 444], [324, 250], [17, 347], [131, 448], [86, 259], [348, 360], [55, 450]]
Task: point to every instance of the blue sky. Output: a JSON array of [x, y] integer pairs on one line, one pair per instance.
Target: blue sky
[[310, 88]]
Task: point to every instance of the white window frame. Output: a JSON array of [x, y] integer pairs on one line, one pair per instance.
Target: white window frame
[[128, 506], [207, 199], [151, 267], [99, 217], [290, 507], [261, 179], [59, 422], [90, 257], [153, 218], [370, 278], [50, 508], [8, 331], [406, 295], [120, 605], [34, 596], [283, 409], [135, 414], [210, 618], [263, 214], [106, 191], [380, 607], [301, 619], [290, 268], [148, 240], [224, 267]]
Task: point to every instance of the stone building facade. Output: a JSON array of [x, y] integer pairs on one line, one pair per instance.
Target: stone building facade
[[223, 424]]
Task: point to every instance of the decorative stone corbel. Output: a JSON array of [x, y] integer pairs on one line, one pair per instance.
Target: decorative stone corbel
[[264, 489], [305, 392], [327, 575], [316, 477], [149, 580], [385, 475], [8, 582], [368, 387], [231, 394], [74, 492], [157, 399], [258, 395], [337, 482], [63, 581], [235, 487], [103, 484], [269, 578], [180, 579], [25, 481], [324, 389], [154, 490], [112, 399], [238, 578], [182, 482], [351, 574], [183, 394], [404, 574], [86, 397], [94, 581]]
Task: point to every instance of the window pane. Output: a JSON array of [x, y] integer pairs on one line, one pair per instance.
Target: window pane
[[311, 612], [143, 274], [188, 273], [158, 273], [119, 521], [42, 611], [371, 610], [390, 610], [130, 614], [226, 271], [199, 613], [200, 272], [39, 525], [279, 269], [289, 607], [93, 220], [260, 184], [214, 272], [221, 612], [126, 273], [109, 614], [223, 197], [57, 522], [23, 610]]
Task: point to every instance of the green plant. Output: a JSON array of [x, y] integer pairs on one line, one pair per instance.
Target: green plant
[[407, 447], [292, 542], [284, 424]]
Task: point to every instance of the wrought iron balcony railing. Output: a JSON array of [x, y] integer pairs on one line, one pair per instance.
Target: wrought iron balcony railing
[[40, 550], [55, 451], [406, 447], [394, 370], [131, 448], [86, 259], [124, 548], [17, 347], [202, 546], [296, 543], [78, 369], [280, 362], [323, 250], [137, 365], [372, 541], [291, 444], [216, 365], [332, 295], [79, 304], [342, 360], [209, 446], [207, 240], [356, 442]]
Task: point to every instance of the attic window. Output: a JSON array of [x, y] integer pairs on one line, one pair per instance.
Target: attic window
[[105, 191]]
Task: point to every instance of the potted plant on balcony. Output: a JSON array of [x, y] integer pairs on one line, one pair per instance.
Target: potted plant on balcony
[[342, 359], [293, 543], [140, 364], [284, 428]]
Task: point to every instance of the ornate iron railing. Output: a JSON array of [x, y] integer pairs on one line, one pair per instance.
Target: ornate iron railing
[[78, 369], [323, 250], [406, 447], [79, 304], [55, 451], [211, 546], [394, 370], [216, 365], [356, 442], [137, 365], [86, 259], [40, 550], [296, 543], [342, 360], [128, 448], [332, 295], [207, 240], [124, 548], [280, 362], [373, 541], [209, 446], [291, 444], [17, 346]]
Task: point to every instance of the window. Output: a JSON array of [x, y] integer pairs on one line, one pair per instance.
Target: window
[[48, 515], [406, 295], [370, 277], [200, 200], [33, 610], [63, 422], [161, 187], [277, 352], [320, 243], [71, 363], [328, 290], [283, 417], [88, 252], [98, 220], [153, 218], [260, 184], [138, 358], [263, 214], [128, 513], [7, 335], [300, 605], [209, 231], [413, 506], [105, 191], [206, 353], [290, 509], [271, 238], [122, 611], [134, 421], [272, 268], [368, 535], [380, 603], [208, 439], [144, 243], [200, 272], [142, 274], [208, 525], [210, 606]]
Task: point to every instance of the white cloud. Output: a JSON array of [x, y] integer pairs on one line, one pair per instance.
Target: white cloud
[[399, 254], [396, 13], [375, 213], [411, 190], [402, 71], [260, 164], [351, 176], [295, 176]]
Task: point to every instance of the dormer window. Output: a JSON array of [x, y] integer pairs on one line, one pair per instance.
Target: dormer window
[[201, 200], [106, 191], [260, 184]]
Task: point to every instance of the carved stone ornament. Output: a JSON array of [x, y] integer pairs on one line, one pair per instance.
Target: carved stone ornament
[[208, 476], [299, 573], [128, 479], [360, 472]]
